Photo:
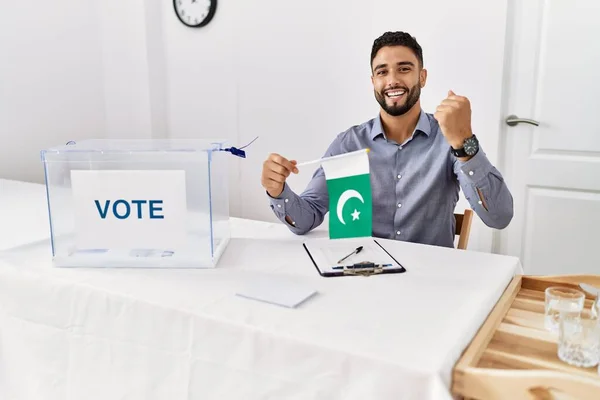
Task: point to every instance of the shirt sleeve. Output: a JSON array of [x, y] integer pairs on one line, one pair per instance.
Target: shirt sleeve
[[307, 210], [485, 190]]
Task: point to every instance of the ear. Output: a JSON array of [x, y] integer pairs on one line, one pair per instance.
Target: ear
[[423, 77], [372, 80]]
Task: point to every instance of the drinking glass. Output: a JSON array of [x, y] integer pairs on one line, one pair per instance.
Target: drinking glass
[[562, 302], [579, 341]]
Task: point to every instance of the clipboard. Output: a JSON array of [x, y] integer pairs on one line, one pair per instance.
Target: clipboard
[[374, 260]]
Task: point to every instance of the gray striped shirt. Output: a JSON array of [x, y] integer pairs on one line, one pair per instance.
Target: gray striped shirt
[[415, 186]]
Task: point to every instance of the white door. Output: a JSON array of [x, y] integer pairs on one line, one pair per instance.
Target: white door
[[553, 170]]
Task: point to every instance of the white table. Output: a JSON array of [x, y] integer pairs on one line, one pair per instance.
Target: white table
[[23, 213], [183, 334]]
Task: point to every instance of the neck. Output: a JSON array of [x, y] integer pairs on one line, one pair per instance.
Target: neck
[[401, 127]]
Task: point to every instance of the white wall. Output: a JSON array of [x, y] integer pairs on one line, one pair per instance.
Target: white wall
[[125, 67], [51, 81], [133, 61], [293, 73], [73, 70]]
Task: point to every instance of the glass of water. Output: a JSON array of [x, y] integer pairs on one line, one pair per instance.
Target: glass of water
[[562, 303], [596, 308], [579, 341]]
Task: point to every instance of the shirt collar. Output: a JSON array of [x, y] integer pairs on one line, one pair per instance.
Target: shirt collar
[[423, 125]]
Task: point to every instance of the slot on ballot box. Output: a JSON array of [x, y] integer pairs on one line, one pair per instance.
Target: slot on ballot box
[[138, 203]]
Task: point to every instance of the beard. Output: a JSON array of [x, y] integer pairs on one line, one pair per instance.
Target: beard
[[412, 96]]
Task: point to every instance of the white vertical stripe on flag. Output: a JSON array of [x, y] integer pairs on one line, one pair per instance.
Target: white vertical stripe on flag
[[347, 166]]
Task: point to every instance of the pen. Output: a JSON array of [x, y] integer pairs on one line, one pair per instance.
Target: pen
[[360, 266], [356, 251]]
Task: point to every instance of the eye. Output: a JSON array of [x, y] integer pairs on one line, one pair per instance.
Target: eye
[[381, 72], [405, 69]]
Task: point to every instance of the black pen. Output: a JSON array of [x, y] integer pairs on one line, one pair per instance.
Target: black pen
[[358, 266], [356, 251]]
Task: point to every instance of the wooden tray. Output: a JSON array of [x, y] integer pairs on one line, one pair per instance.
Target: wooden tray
[[512, 356]]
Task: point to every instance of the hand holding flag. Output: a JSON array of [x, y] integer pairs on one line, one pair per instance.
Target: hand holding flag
[[348, 185], [275, 171]]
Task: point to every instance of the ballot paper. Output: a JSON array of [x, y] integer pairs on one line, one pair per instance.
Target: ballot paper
[[281, 291]]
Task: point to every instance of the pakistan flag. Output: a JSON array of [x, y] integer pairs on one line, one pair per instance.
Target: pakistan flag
[[349, 187]]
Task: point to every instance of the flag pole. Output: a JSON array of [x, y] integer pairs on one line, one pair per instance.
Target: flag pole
[[319, 160]]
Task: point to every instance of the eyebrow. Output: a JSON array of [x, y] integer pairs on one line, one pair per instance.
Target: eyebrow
[[410, 63]]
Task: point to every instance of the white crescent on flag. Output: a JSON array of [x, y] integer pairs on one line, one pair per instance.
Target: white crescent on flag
[[347, 195]]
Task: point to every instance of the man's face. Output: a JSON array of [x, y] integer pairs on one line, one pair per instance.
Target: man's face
[[397, 79]]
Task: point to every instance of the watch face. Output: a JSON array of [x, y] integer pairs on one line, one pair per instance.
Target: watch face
[[471, 145], [195, 13]]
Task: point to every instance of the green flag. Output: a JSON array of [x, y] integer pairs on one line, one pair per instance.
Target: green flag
[[350, 202]]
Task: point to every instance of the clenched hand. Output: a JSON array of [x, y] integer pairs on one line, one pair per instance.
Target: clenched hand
[[454, 116]]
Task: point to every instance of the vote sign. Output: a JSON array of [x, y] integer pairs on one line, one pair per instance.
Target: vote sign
[[129, 209]]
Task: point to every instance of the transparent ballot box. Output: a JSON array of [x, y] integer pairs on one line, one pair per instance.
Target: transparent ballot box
[[138, 203]]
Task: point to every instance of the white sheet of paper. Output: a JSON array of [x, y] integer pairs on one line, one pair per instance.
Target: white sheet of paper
[[278, 291]]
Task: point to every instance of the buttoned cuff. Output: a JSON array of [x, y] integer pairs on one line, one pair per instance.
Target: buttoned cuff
[[279, 203], [477, 168]]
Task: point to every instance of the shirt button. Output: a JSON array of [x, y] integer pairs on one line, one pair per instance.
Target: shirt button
[[279, 205], [399, 147], [286, 200], [399, 205], [471, 173], [480, 202], [398, 233], [399, 176]]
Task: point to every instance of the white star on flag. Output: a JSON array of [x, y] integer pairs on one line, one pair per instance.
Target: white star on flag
[[355, 214]]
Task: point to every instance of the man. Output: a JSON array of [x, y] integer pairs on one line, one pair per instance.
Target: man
[[418, 161]]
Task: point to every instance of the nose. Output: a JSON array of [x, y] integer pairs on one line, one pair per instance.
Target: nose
[[393, 79]]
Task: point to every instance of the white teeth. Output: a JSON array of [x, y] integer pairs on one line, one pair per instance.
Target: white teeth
[[395, 93]]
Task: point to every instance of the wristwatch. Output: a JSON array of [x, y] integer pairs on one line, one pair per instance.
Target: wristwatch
[[469, 149]]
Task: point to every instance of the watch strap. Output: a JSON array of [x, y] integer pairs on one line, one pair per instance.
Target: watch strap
[[458, 152]]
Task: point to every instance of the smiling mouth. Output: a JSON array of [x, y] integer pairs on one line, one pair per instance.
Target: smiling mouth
[[395, 93]]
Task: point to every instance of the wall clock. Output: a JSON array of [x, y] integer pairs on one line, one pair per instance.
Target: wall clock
[[195, 13]]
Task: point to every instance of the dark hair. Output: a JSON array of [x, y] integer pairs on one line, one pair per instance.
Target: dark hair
[[397, 39]]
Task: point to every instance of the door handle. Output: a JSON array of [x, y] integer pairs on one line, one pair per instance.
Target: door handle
[[513, 120]]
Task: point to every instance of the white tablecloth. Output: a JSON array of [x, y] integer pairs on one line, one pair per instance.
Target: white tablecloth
[[183, 334]]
